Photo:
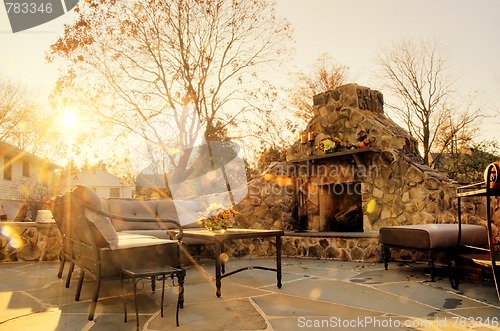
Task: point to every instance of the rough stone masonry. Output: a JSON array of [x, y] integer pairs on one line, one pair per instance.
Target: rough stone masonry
[[398, 189]]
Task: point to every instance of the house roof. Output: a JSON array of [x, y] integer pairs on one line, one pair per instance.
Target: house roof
[[13, 151], [98, 178]]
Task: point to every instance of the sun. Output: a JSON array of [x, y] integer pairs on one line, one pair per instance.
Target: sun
[[69, 119]]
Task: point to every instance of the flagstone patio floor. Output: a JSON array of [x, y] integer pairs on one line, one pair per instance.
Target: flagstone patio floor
[[316, 294]]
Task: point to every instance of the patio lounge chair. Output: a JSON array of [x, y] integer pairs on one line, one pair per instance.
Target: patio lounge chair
[[101, 253], [61, 210]]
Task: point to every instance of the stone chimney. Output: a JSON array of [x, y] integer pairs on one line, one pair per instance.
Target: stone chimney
[[395, 187]]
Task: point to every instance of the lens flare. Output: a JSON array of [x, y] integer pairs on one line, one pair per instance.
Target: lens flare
[[14, 240], [224, 257], [370, 206], [315, 293], [69, 119]]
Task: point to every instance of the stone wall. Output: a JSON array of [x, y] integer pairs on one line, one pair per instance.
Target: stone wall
[[270, 200], [29, 241], [361, 248]]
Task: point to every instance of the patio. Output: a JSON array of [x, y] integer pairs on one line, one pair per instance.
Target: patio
[[315, 294]]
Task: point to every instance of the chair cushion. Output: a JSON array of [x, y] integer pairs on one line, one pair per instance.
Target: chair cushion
[[133, 235], [133, 208], [138, 253], [88, 195], [105, 233], [188, 211], [432, 236], [166, 209], [160, 234]]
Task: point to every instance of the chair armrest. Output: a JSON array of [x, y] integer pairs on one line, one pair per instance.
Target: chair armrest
[[140, 219]]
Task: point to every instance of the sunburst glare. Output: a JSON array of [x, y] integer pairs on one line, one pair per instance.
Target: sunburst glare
[[69, 119]]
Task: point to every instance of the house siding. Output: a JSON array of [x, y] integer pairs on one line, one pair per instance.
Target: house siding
[[11, 191], [102, 182]]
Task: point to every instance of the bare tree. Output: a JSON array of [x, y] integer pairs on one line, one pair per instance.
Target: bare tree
[[15, 111], [24, 122], [424, 96], [325, 75], [174, 72]]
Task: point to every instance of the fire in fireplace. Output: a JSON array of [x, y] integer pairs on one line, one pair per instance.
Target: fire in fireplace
[[340, 208]]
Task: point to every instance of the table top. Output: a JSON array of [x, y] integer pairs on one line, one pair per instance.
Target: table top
[[152, 271], [232, 233]]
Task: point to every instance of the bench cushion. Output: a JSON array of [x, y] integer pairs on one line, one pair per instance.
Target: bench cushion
[[133, 208], [138, 253], [184, 212], [165, 209], [432, 236]]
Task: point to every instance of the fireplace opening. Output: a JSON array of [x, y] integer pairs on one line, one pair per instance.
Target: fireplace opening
[[340, 208]]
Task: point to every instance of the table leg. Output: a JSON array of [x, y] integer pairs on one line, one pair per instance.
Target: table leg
[[430, 255], [123, 298], [223, 263], [218, 276], [180, 298], [153, 283], [180, 277], [162, 292], [135, 300], [278, 260]]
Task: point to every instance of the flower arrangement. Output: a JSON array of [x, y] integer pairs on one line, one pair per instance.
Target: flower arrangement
[[329, 144], [217, 217]]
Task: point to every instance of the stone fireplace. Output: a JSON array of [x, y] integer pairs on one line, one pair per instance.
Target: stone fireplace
[[331, 189], [380, 165], [378, 177], [340, 207]]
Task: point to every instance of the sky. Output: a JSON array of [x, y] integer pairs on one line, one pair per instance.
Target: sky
[[351, 31]]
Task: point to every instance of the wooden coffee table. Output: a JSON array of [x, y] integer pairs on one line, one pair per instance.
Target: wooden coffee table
[[218, 239]]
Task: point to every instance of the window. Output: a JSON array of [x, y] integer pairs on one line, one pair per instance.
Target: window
[[7, 168], [114, 192], [26, 169]]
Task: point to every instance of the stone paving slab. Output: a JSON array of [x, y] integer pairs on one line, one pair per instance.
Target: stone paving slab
[[359, 296], [434, 297], [13, 305], [278, 304], [232, 314], [313, 292]]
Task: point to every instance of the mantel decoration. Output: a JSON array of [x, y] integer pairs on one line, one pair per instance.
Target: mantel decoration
[[329, 144], [217, 217]]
